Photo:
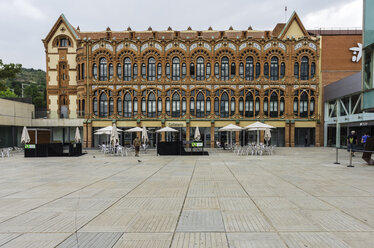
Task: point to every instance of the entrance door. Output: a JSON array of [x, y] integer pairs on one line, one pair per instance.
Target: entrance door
[[304, 136]]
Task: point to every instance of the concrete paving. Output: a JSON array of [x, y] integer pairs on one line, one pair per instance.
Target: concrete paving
[[295, 198]]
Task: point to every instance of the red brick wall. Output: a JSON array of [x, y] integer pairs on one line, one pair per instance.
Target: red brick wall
[[336, 58]]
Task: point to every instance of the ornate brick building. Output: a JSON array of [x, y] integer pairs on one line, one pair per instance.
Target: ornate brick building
[[187, 79]]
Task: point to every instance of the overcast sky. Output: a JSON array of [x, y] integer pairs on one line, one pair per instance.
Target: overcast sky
[[23, 23]]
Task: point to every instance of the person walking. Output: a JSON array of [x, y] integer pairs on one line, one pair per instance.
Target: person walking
[[352, 142], [136, 143], [364, 139]]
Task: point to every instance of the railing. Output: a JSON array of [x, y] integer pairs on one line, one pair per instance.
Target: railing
[[336, 31], [47, 114]]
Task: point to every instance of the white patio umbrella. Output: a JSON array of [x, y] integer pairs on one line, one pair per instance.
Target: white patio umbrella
[[230, 128], [144, 135], [114, 135], [107, 130], [258, 126], [167, 129], [134, 130], [267, 135], [197, 135], [77, 136], [25, 138]]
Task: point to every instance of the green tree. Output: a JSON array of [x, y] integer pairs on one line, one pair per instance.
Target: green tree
[[8, 71], [7, 93]]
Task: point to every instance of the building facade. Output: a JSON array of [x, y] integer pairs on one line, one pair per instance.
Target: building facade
[[340, 59], [187, 79]]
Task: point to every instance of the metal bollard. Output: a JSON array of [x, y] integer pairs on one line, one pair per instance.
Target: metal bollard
[[337, 156], [350, 158]]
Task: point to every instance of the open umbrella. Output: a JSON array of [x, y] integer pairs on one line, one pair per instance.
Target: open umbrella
[[77, 137], [167, 129], [114, 135], [144, 135], [134, 130], [258, 126], [197, 135], [230, 128], [25, 138]]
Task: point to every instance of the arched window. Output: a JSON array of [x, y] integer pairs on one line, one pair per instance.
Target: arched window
[[266, 70], [159, 106], [167, 106], [111, 106], [127, 69], [274, 70], [241, 70], [249, 105], [127, 109], [249, 69], [119, 106], [233, 70], [103, 105], [144, 106], [200, 71], [63, 42], [241, 106], [257, 109], [216, 70], [176, 105], [176, 69], [200, 108], [295, 106], [281, 107], [79, 71], [208, 70], [111, 71], [192, 106], [143, 71], [304, 105], [312, 70], [159, 70], [94, 105], [274, 105], [103, 74], [216, 106], [266, 109], [258, 70], [192, 70], [282, 70], [233, 106], [224, 105], [94, 71], [184, 106], [83, 107], [225, 69], [135, 70], [119, 71], [304, 70], [296, 70], [311, 107], [151, 105], [184, 70], [83, 71], [208, 105], [167, 70], [135, 104], [151, 69]]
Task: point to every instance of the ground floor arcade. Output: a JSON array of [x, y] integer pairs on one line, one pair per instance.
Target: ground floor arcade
[[285, 134]]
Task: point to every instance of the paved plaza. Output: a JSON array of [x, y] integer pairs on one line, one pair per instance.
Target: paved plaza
[[295, 198]]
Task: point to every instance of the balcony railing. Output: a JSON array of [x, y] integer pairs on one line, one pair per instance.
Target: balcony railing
[[46, 114]]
